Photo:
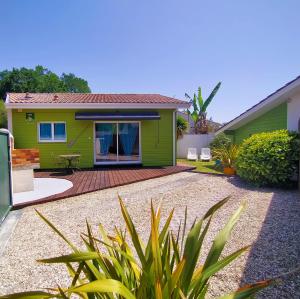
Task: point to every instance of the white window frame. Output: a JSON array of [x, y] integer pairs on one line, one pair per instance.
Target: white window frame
[[52, 131], [117, 162]]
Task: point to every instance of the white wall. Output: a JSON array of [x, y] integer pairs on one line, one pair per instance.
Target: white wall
[[293, 113], [191, 140]]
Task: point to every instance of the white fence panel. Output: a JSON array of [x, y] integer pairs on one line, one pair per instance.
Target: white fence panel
[[192, 140]]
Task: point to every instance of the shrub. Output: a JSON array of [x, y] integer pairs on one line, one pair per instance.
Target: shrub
[[269, 158], [182, 126], [167, 267], [220, 140]]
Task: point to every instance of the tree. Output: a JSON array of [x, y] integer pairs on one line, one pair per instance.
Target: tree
[[181, 125], [39, 79], [199, 114], [3, 115], [75, 84]]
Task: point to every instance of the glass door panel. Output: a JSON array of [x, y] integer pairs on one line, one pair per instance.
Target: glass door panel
[[106, 149], [128, 142]]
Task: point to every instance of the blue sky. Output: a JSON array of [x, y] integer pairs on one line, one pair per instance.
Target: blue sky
[[167, 47]]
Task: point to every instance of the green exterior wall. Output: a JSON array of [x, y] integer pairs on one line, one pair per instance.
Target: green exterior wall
[[157, 140], [274, 119], [156, 137]]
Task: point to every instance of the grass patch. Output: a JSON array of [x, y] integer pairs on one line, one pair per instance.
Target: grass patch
[[201, 166]]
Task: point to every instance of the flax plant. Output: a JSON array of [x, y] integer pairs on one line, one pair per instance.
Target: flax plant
[[227, 154], [167, 266]]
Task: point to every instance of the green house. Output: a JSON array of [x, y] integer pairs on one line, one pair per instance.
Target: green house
[[280, 110], [105, 129]]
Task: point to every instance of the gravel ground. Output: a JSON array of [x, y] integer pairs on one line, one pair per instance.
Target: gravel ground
[[271, 223]]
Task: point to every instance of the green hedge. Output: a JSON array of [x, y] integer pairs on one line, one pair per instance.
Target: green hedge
[[269, 158]]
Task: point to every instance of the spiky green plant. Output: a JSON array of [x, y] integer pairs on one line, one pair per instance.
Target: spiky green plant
[[198, 114], [227, 154], [166, 267]]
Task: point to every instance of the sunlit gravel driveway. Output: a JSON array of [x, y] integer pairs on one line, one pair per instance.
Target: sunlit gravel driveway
[[271, 223]]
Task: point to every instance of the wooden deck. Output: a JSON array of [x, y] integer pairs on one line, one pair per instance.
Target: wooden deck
[[90, 180]]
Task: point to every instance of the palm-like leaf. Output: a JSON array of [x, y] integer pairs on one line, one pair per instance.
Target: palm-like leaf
[[249, 290], [104, 286], [195, 116], [210, 97], [188, 96], [195, 103], [28, 295], [200, 99]]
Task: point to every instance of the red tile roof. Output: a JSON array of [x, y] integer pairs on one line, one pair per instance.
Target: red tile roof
[[90, 98]]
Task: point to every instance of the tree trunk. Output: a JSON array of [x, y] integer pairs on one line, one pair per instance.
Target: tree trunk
[[203, 128]]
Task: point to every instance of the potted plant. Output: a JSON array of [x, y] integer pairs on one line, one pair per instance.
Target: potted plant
[[228, 156]]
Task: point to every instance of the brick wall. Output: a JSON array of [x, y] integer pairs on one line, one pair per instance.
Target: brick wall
[[23, 157]]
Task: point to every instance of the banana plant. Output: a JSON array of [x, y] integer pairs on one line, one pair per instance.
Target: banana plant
[[166, 267], [198, 114]]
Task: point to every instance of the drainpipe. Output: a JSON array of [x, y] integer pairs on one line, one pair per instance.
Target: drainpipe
[[174, 138]]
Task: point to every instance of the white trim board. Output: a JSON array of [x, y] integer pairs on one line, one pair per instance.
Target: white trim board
[[174, 138], [9, 121]]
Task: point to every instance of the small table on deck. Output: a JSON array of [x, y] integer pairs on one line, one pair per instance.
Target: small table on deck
[[70, 158]]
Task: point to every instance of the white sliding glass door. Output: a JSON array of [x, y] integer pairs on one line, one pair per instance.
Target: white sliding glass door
[[117, 142], [106, 142]]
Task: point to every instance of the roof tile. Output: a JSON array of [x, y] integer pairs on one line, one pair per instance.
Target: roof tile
[[61, 98]]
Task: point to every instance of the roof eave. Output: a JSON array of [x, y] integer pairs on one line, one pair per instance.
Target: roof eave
[[10, 105], [276, 96]]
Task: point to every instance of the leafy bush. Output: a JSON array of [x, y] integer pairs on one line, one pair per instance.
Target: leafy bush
[[182, 126], [269, 158], [3, 115], [221, 140], [227, 155], [167, 267]]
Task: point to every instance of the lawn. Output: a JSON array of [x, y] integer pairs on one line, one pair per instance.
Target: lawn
[[201, 166]]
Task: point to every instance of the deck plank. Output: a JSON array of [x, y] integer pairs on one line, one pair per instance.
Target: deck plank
[[88, 180]]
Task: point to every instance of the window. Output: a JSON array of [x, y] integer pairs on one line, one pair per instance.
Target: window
[[52, 132]]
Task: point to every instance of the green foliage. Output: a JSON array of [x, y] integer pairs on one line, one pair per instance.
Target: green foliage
[[202, 166], [166, 267], [220, 140], [3, 115], [227, 154], [39, 79], [75, 84], [269, 158], [200, 105], [181, 125]]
